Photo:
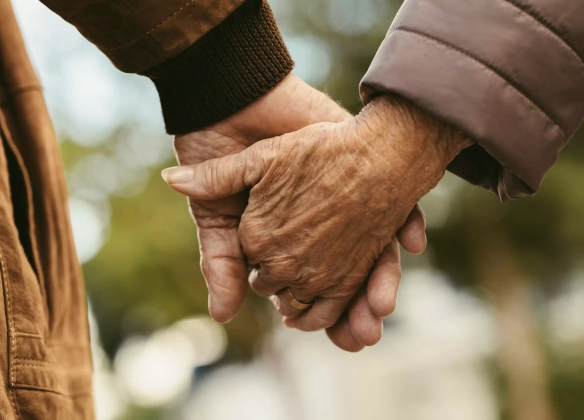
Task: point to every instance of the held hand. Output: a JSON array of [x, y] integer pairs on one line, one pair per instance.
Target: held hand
[[291, 106], [326, 201], [360, 326]]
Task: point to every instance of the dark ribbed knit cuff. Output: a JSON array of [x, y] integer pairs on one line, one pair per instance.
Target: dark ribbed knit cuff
[[234, 64]]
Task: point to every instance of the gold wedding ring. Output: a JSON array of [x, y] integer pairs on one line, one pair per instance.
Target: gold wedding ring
[[295, 303]]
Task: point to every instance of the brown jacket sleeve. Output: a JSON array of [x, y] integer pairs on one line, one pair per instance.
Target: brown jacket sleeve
[[207, 58], [507, 72]]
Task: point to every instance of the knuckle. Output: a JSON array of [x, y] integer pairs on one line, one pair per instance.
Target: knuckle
[[386, 307], [251, 248], [283, 270], [206, 268], [345, 289], [260, 288], [326, 323], [369, 338], [210, 175], [285, 310], [390, 268], [251, 242], [391, 307], [322, 130], [260, 284], [395, 269], [323, 322], [383, 305]]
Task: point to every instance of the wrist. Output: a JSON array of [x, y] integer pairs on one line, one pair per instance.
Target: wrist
[[290, 106], [410, 144], [412, 130], [424, 143]]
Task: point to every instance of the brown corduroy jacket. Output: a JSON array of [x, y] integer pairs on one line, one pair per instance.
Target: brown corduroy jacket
[[507, 72], [45, 360]]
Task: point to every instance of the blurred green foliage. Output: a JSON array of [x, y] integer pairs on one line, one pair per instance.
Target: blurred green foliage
[[147, 276]]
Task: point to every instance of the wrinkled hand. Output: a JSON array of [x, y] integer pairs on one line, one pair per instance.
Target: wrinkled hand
[[292, 105]]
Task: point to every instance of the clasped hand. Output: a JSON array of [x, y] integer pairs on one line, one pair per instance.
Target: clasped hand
[[325, 205]]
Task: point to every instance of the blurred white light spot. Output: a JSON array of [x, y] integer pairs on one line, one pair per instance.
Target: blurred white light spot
[[156, 370], [207, 337], [142, 150], [109, 403], [94, 176], [110, 400], [312, 56], [88, 229], [354, 17], [240, 392], [90, 98], [565, 314]]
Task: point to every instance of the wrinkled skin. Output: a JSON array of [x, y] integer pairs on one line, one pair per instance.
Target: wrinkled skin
[[223, 263]]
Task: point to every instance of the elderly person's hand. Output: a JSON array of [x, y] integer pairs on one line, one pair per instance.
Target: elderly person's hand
[[292, 105]]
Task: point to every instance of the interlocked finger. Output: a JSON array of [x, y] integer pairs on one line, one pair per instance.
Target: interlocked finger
[[264, 285], [323, 314], [366, 326], [287, 305], [342, 336], [384, 281]]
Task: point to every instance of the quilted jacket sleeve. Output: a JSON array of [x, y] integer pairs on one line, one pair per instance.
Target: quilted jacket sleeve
[[507, 72]]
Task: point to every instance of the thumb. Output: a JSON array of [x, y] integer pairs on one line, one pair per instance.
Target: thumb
[[222, 177]]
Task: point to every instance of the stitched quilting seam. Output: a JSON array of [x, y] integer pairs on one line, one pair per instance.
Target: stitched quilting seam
[[490, 67], [540, 19], [28, 335], [52, 391], [35, 360], [11, 329], [35, 365]]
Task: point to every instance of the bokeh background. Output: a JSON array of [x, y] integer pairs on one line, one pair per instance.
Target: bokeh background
[[489, 323]]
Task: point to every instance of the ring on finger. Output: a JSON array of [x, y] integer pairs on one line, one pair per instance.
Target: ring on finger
[[295, 303]]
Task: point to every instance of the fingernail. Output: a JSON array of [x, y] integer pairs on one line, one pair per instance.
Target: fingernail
[[177, 175]]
